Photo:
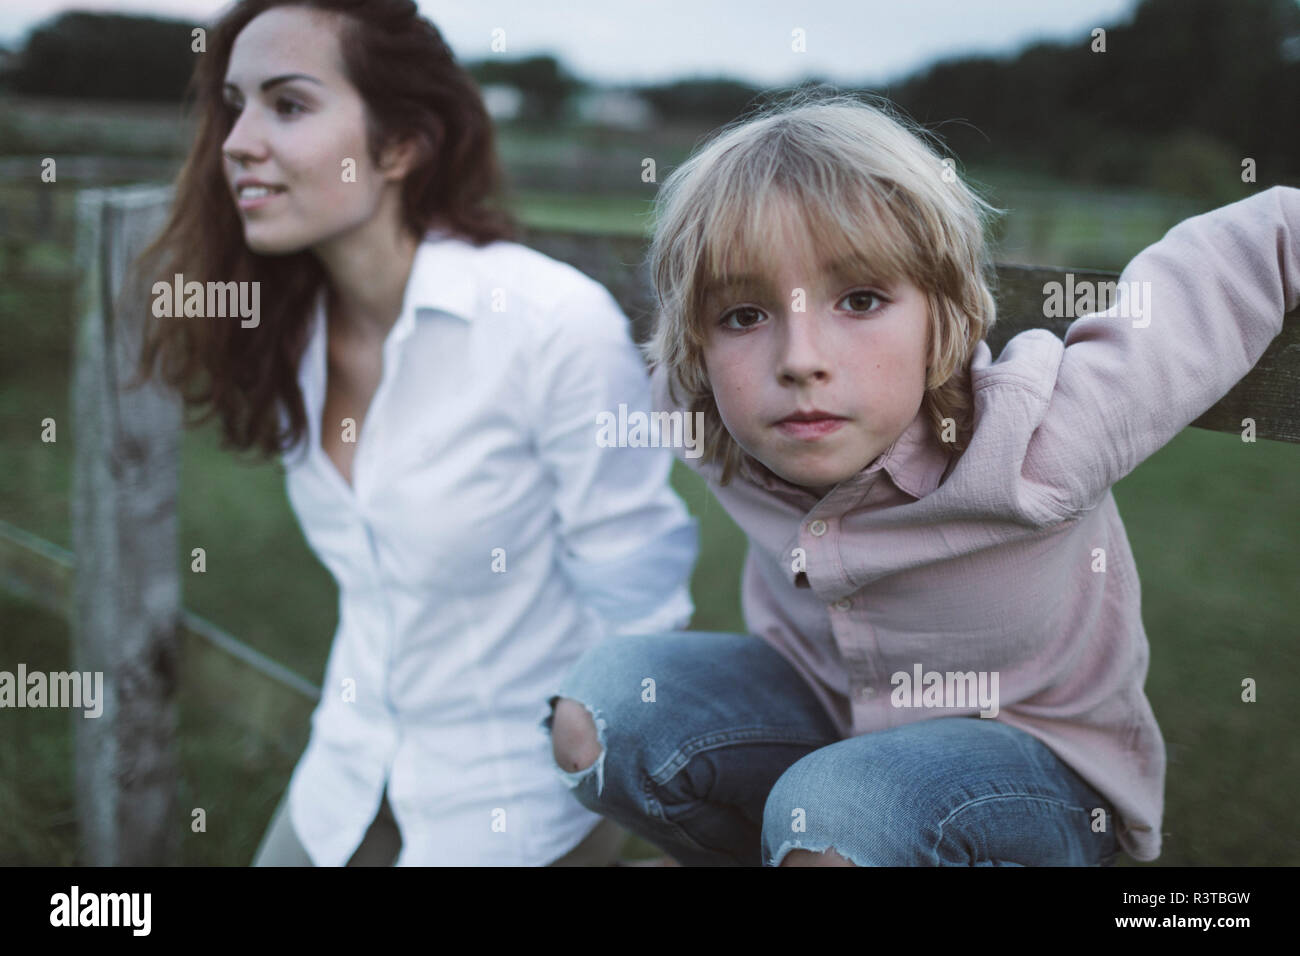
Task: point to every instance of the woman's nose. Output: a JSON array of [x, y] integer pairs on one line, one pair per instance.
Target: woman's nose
[[241, 141]]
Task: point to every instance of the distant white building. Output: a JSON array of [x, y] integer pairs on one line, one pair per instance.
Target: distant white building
[[503, 101], [621, 109]]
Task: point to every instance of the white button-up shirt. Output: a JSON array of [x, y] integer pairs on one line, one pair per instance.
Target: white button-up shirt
[[488, 540]]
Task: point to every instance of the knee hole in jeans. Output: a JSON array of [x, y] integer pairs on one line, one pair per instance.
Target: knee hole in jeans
[[574, 741], [829, 857]]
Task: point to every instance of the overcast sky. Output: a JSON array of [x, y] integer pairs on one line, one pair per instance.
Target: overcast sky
[[848, 41]]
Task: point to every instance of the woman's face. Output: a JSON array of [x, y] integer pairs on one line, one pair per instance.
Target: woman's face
[[299, 126]]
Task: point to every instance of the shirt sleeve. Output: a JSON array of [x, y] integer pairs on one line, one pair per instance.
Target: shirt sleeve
[[1213, 293], [627, 541]]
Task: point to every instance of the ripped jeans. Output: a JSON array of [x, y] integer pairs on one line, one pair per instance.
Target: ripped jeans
[[715, 750]]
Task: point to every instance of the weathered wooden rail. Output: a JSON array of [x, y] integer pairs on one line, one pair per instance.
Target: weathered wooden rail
[[120, 586]]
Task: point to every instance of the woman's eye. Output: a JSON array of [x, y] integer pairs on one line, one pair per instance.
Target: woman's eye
[[745, 317], [860, 301], [234, 108]]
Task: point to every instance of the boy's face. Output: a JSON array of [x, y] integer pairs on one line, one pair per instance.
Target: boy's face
[[852, 364]]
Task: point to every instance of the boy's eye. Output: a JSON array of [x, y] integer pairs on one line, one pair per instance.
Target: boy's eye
[[745, 317], [859, 301]]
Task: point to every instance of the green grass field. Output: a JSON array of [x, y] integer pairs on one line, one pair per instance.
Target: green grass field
[[1211, 520]]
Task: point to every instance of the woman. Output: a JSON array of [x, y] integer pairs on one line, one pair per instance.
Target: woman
[[438, 387]]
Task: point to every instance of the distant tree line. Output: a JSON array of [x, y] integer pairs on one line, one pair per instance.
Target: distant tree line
[[544, 83], [1180, 96], [109, 56], [1185, 90]]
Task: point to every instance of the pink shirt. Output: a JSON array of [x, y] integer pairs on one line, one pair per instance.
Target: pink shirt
[[988, 561]]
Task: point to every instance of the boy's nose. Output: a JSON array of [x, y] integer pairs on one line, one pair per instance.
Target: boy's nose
[[802, 357]]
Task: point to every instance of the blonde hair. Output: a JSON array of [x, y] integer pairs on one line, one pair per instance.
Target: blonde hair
[[870, 190]]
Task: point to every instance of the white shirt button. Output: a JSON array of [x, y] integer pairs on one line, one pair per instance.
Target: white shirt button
[[818, 528], [843, 604], [868, 692]]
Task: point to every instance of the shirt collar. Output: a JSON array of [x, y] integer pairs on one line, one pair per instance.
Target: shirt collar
[[915, 463], [442, 277], [442, 280]]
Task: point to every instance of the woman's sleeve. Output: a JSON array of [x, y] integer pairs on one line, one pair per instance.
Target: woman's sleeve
[[627, 541], [1213, 293]]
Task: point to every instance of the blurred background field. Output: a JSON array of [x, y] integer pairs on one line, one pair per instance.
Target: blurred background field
[[1212, 520]]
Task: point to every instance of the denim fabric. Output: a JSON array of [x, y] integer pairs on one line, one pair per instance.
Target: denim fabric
[[715, 750]]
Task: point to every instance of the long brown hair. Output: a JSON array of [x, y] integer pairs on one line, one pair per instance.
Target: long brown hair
[[412, 87]]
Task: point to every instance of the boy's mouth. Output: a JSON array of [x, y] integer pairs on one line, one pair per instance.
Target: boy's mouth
[[810, 424]]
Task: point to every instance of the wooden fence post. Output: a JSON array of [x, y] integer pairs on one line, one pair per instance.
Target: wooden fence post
[[124, 527]]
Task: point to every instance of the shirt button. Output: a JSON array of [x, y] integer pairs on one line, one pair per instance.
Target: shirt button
[[843, 604], [818, 528], [868, 692]]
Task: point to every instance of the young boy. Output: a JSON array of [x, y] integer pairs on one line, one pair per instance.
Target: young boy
[[951, 658]]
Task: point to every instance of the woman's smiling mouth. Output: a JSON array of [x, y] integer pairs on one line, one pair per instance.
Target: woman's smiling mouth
[[256, 195]]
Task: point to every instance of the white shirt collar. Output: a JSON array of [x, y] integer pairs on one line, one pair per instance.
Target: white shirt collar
[[442, 277]]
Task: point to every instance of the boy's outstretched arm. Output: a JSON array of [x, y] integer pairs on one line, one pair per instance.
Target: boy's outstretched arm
[[1213, 292]]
